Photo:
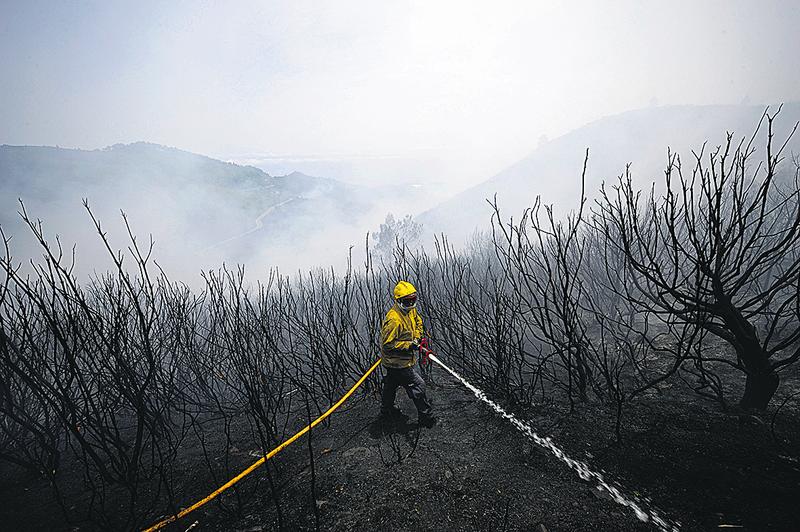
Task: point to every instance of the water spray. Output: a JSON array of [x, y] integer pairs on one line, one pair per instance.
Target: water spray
[[643, 509]]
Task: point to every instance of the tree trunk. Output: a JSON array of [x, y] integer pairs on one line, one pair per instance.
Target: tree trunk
[[759, 389], [762, 381]]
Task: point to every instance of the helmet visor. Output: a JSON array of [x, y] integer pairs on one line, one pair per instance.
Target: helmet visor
[[409, 301]]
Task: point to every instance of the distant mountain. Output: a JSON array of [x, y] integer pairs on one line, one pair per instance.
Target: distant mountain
[[135, 177], [203, 212], [200, 211], [639, 137]]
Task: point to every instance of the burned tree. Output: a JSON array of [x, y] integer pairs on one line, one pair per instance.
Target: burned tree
[[542, 259], [720, 249]]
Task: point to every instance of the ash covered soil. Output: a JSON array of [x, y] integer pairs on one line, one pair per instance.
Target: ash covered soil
[[472, 471], [700, 467]]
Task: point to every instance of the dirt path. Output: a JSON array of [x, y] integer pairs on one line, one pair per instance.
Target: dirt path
[[472, 471]]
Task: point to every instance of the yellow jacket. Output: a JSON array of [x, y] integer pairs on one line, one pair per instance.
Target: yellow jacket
[[399, 329]]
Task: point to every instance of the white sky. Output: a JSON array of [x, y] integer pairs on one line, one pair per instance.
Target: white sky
[[477, 82]]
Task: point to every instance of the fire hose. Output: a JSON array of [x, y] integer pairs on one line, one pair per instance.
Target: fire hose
[[213, 495]]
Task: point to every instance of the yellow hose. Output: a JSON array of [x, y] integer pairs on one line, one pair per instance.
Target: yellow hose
[[257, 464]]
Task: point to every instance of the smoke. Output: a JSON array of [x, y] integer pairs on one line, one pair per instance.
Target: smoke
[[473, 85], [197, 213]]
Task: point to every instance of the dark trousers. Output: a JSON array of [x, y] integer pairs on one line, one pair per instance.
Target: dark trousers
[[411, 380]]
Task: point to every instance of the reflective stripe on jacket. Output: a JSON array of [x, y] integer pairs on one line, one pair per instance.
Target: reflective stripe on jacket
[[398, 331]]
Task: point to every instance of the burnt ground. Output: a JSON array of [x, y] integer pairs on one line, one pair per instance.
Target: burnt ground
[[699, 465]]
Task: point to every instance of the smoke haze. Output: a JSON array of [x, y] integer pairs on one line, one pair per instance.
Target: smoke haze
[[380, 97]]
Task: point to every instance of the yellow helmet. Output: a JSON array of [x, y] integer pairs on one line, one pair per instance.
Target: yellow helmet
[[403, 289], [406, 295]]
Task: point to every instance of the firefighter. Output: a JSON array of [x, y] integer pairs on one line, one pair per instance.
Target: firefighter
[[402, 344]]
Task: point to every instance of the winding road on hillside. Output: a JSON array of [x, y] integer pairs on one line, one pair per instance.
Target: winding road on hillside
[[257, 225]]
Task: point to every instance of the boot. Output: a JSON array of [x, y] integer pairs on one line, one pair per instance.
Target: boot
[[427, 420], [392, 413]]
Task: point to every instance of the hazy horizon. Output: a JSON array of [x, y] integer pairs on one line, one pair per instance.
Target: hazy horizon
[[449, 91]]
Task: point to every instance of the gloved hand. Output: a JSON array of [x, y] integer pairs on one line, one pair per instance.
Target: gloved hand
[[424, 353], [415, 344]]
